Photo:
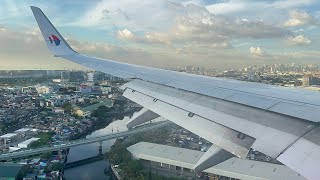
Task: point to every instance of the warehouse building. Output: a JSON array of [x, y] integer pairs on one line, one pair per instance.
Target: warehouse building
[[8, 138], [179, 162], [26, 143]]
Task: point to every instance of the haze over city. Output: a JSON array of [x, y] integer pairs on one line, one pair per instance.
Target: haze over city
[[209, 33]]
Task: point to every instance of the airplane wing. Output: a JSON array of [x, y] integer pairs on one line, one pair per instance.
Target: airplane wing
[[235, 116]]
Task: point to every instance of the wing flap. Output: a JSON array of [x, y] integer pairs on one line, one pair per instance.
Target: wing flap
[[221, 136], [144, 115], [303, 111], [231, 115], [304, 155]]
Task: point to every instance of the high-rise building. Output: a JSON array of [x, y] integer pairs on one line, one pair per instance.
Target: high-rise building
[[307, 80], [90, 76]]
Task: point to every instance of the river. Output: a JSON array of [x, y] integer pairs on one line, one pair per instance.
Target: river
[[93, 170]]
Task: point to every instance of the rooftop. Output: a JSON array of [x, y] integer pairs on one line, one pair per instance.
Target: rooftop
[[234, 167], [9, 135], [28, 141], [162, 153], [105, 102], [22, 130]]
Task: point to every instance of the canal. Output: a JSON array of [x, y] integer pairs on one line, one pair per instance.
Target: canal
[[94, 170]]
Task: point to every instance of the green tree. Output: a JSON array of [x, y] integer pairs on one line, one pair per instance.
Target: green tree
[[45, 137], [118, 153], [133, 169], [101, 112], [56, 166], [46, 155], [67, 107], [53, 167]]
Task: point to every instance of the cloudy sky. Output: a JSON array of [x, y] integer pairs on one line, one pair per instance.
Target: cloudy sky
[[165, 33]]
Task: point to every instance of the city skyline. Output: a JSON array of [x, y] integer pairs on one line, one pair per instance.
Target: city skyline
[[216, 34]]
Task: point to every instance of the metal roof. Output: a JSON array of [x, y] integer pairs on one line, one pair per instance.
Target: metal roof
[[106, 102], [22, 130], [28, 141], [9, 135], [234, 167], [166, 154]]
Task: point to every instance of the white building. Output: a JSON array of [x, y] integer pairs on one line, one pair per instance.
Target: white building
[[8, 138], [12, 149], [26, 143], [23, 131], [44, 90], [181, 161], [105, 90], [56, 80], [59, 110], [90, 76]]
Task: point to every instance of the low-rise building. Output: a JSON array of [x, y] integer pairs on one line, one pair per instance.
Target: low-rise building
[[8, 138], [179, 162], [84, 89], [44, 90], [86, 111], [26, 143], [59, 110], [23, 131]]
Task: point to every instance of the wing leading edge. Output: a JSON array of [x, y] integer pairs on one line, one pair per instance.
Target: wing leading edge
[[230, 109]]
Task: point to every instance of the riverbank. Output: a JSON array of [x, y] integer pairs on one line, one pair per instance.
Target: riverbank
[[101, 123], [92, 171], [115, 174], [84, 161], [100, 169], [120, 158]]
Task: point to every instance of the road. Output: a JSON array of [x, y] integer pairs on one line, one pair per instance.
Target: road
[[29, 152]]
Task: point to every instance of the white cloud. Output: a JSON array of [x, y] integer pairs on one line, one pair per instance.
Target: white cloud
[[236, 6], [154, 37], [198, 25], [298, 18], [160, 31], [257, 51], [126, 34], [10, 8], [27, 50], [291, 4], [227, 7], [132, 14], [3, 28], [299, 40], [166, 22], [271, 12]]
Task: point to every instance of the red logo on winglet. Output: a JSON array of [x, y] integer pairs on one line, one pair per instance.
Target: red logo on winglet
[[54, 39]]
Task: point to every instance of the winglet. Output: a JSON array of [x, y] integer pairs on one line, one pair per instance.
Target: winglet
[[55, 42]]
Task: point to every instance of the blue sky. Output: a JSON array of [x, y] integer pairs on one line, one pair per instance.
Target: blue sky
[[164, 33]]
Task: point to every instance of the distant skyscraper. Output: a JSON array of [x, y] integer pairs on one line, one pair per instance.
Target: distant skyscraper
[[307, 80], [90, 76]]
